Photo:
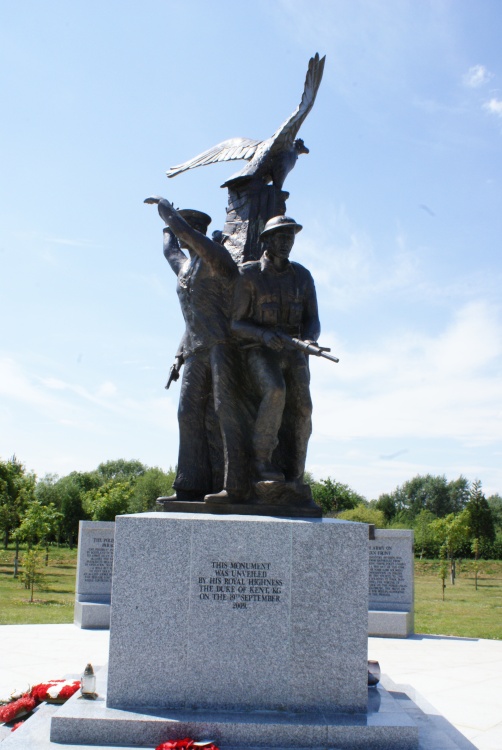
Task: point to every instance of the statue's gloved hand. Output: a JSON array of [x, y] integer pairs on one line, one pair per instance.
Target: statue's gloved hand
[[166, 210], [272, 340]]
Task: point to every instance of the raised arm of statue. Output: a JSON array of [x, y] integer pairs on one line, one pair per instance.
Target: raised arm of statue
[[172, 251], [213, 253]]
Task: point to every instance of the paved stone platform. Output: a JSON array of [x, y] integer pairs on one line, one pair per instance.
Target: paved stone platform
[[435, 733], [452, 685]]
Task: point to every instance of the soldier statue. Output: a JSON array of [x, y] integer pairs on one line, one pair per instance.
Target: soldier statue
[[205, 286], [275, 302]]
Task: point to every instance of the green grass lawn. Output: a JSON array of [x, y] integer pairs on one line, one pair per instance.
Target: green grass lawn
[[53, 600], [464, 612]]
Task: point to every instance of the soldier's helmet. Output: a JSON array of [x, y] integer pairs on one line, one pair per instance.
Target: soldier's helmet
[[280, 222]]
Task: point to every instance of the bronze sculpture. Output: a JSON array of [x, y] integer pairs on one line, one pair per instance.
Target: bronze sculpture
[[210, 451], [251, 322], [270, 160], [252, 201], [274, 296]]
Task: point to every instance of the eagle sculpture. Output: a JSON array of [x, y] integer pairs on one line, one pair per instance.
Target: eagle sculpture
[[270, 160]]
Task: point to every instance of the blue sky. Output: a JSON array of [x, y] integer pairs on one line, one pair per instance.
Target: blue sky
[[400, 199]]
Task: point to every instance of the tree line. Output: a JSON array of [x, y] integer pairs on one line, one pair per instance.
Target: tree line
[[450, 519], [49, 509]]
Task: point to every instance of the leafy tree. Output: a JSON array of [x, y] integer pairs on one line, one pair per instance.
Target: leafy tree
[[38, 525], [16, 491], [364, 514], [148, 487], [428, 493], [452, 531], [479, 514], [67, 494], [387, 504], [333, 496], [108, 501], [432, 493], [452, 534], [32, 575], [495, 505], [71, 492], [120, 469], [459, 494], [425, 541]]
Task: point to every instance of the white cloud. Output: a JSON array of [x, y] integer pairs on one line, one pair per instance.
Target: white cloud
[[417, 386], [494, 106], [426, 402], [345, 265], [56, 425], [476, 76], [15, 384], [72, 403], [37, 237], [107, 389]]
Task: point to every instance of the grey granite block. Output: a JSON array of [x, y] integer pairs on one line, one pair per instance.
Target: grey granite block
[[34, 734], [95, 560], [434, 732], [238, 612], [92, 722], [390, 624], [94, 573], [391, 570], [92, 615]]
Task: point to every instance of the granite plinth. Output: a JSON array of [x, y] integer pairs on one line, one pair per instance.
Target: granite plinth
[[94, 574], [391, 583], [92, 615], [390, 624], [238, 613], [384, 725]]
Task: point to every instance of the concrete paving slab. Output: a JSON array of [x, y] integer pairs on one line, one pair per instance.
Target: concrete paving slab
[[460, 677], [33, 653]]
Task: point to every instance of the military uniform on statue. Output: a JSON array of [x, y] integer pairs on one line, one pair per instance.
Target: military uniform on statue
[[274, 296], [207, 463]]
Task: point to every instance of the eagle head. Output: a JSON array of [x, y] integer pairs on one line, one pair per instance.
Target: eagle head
[[300, 147]]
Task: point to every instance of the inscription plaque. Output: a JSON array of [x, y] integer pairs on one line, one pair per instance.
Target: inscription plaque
[[98, 561], [95, 560], [240, 584], [386, 572], [391, 583]]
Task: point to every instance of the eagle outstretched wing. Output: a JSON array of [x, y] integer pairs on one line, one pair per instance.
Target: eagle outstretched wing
[[286, 134], [229, 150], [262, 155]]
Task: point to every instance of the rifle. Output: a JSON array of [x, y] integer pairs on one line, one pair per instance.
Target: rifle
[[304, 346]]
